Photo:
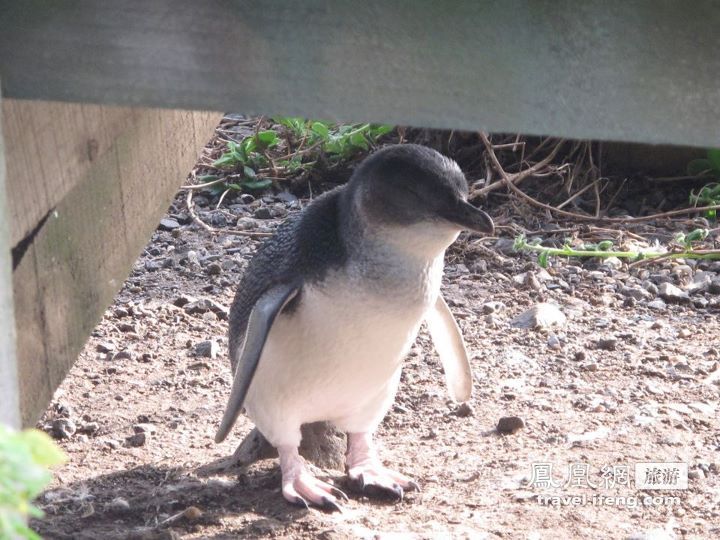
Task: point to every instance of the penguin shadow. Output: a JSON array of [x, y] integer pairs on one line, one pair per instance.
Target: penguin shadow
[[264, 475], [145, 502]]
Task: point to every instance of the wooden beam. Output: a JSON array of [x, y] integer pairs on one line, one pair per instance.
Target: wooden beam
[[9, 398], [92, 227], [641, 71]]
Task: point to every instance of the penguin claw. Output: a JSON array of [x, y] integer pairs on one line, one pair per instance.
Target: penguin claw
[[338, 493], [330, 504]]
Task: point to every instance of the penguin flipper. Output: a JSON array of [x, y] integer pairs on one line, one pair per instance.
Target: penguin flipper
[[261, 319], [450, 347]]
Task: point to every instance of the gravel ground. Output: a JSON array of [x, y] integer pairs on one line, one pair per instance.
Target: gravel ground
[[623, 369]]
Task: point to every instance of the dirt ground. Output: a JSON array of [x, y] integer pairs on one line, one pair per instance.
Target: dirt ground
[[628, 378]]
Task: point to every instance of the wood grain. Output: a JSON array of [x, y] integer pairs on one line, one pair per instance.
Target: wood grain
[[100, 217], [641, 71]]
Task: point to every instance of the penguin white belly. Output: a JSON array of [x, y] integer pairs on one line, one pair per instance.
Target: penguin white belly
[[336, 357]]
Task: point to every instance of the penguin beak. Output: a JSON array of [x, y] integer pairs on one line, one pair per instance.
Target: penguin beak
[[467, 217]]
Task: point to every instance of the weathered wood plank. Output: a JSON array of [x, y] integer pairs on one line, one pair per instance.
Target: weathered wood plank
[[639, 71], [79, 257], [53, 145], [9, 398]]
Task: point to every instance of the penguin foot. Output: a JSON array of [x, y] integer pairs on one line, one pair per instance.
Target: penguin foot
[[375, 480], [369, 476], [301, 488]]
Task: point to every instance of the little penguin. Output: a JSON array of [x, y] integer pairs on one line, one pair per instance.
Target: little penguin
[[330, 305]]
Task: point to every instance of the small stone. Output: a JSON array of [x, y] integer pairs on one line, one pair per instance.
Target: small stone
[[184, 299], [117, 506], [637, 293], [714, 287], [612, 262], [592, 367], [192, 513], [213, 269], [152, 266], [145, 427], [246, 224], [554, 342], [127, 327], [286, 197], [63, 428], [580, 356], [137, 440], [464, 410], [696, 474], [112, 444], [510, 424], [684, 333], [123, 355], [670, 293], [542, 315], [656, 305], [105, 347], [262, 213], [609, 344], [208, 349], [492, 307], [168, 224], [89, 427]]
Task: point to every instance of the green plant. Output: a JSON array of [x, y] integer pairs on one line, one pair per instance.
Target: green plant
[[24, 460], [247, 156], [306, 140], [709, 194], [604, 249]]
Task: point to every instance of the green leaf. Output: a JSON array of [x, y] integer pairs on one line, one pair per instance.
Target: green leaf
[[714, 157], [543, 259], [605, 245], [697, 235], [699, 167], [257, 184], [207, 178], [249, 172], [267, 139], [238, 187], [358, 139], [226, 160], [321, 129], [380, 130]]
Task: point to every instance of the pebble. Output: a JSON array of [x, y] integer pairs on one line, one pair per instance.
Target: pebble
[[123, 355], [168, 224], [207, 349], [152, 266], [609, 344], [144, 427], [696, 474], [137, 440], [714, 287], [554, 342], [656, 305], [213, 269], [510, 424], [464, 410], [63, 428], [184, 299], [105, 347], [246, 224], [262, 213], [117, 506], [671, 293], [492, 307], [89, 427], [638, 293], [541, 315]]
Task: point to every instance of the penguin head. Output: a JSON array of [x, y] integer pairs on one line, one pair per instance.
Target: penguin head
[[412, 185]]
